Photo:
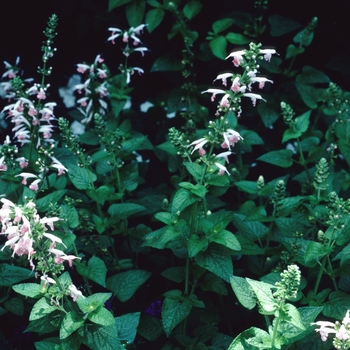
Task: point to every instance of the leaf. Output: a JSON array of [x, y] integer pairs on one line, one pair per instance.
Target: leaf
[[93, 302], [247, 186], [252, 338], [135, 12], [196, 244], [218, 47], [227, 239], [101, 338], [182, 199], [81, 178], [196, 170], [315, 251], [167, 62], [263, 292], [293, 51], [129, 177], [243, 292], [290, 204], [198, 190], [95, 270], [300, 126], [173, 312], [249, 229], [71, 215], [222, 24], [176, 274], [10, 274], [282, 25], [127, 326], [43, 203], [70, 323], [32, 290], [160, 238], [41, 308], [125, 284], [344, 148], [337, 305], [217, 260], [192, 8], [153, 18], [15, 306], [295, 318], [282, 158], [268, 114], [101, 316], [237, 38], [123, 210], [112, 4]]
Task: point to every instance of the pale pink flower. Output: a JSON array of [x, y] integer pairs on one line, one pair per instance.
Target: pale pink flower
[[223, 77], [34, 186], [74, 292], [59, 166], [260, 80], [225, 103], [231, 137], [82, 68], [3, 166], [253, 97], [214, 92], [41, 94], [23, 163], [116, 32], [224, 155], [268, 53], [199, 145], [237, 57], [142, 50], [235, 85], [27, 176], [325, 328], [222, 169]]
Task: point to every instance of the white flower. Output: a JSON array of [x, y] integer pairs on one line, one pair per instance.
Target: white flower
[[222, 169], [74, 292], [260, 80], [268, 53], [223, 77], [214, 92], [199, 145], [237, 57], [253, 97]]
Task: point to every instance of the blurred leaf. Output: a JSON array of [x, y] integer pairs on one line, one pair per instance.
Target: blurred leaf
[[167, 62], [281, 25], [218, 47], [222, 24], [112, 4], [153, 18], [192, 8], [135, 12], [237, 39], [282, 158]]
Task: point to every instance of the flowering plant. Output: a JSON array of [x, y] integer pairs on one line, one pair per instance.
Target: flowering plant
[[143, 215]]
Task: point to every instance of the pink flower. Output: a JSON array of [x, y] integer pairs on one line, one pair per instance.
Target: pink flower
[[268, 53], [223, 77], [260, 80], [214, 92], [222, 169], [225, 103], [224, 155], [235, 85], [34, 186], [253, 97], [199, 145], [116, 32], [3, 166], [41, 95], [82, 68], [231, 137], [325, 328], [59, 166], [74, 292], [237, 57]]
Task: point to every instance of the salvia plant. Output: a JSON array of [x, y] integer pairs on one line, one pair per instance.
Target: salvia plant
[[212, 213]]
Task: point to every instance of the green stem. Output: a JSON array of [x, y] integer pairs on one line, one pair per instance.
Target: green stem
[[275, 329]]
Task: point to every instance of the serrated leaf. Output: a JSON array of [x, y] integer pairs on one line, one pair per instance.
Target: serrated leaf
[[295, 318], [300, 126], [176, 274], [95, 270], [252, 338], [337, 305], [281, 158], [196, 244], [125, 284], [70, 323], [173, 312], [315, 251], [101, 316], [263, 292], [227, 239], [32, 290], [15, 306], [196, 170], [243, 292], [288, 205], [247, 186], [41, 308], [217, 260], [182, 199], [344, 148], [124, 210], [250, 229], [43, 203], [268, 114], [10, 274], [92, 302], [218, 47], [100, 337], [81, 178], [127, 326]]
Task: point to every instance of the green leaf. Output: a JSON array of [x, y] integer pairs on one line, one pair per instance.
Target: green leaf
[[344, 148], [196, 170], [173, 312], [192, 8], [217, 260], [153, 18], [125, 284], [282, 25], [150, 327], [282, 158], [214, 284], [43, 203], [237, 38], [10, 274], [294, 316], [227, 239], [182, 199], [249, 229], [15, 306], [81, 178], [252, 338], [247, 186], [263, 292], [304, 37], [315, 251], [268, 114], [167, 62], [112, 4], [196, 244], [243, 292], [101, 337], [198, 190], [176, 274], [337, 305], [93, 302], [101, 316], [41, 308], [127, 326], [71, 215], [293, 51], [71, 322], [290, 204], [160, 238], [32, 290], [218, 47], [129, 177], [135, 12], [300, 126], [95, 270], [102, 194], [222, 24], [123, 210]]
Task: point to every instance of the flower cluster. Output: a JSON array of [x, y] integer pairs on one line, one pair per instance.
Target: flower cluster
[[241, 84], [341, 331], [93, 88]]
